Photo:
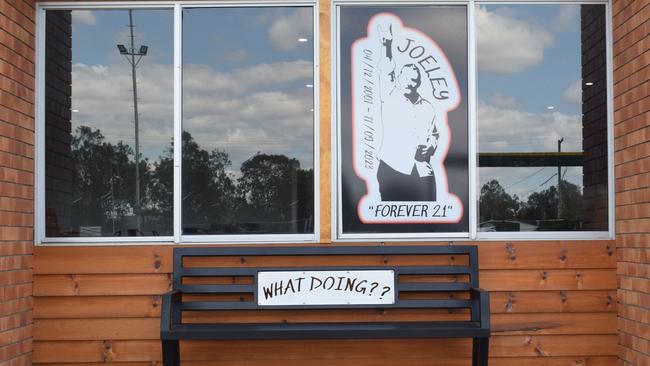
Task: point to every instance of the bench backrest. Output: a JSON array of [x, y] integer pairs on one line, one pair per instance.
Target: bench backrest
[[225, 278]]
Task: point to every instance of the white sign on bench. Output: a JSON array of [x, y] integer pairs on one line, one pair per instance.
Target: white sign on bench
[[363, 287]]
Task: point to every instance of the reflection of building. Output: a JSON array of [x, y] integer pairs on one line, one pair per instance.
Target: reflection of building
[[594, 121], [593, 157], [58, 114], [506, 225]]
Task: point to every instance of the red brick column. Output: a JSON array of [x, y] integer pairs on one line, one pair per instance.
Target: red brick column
[[631, 27], [16, 179]]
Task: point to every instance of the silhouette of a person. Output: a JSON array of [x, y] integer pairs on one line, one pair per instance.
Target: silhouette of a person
[[410, 135]]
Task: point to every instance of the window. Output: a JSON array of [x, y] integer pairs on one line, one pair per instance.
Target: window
[[527, 85], [177, 123], [248, 116], [197, 122], [542, 117], [108, 122]]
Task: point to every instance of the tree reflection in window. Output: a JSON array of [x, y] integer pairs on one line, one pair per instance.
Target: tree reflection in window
[[505, 212], [542, 117], [267, 196]]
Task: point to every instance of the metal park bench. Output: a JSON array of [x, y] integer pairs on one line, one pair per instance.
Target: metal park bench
[[257, 279]]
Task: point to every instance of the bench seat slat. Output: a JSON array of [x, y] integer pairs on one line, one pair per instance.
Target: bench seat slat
[[212, 289], [327, 330], [403, 304], [243, 271], [329, 250], [439, 286]]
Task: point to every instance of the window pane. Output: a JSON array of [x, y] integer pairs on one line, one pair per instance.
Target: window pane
[[542, 117], [402, 120], [104, 118], [248, 121]]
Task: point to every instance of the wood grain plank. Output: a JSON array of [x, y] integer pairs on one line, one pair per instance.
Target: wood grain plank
[[149, 306], [97, 329], [149, 328], [554, 279], [275, 351], [105, 284], [97, 306], [555, 361], [456, 361], [547, 254], [158, 259], [97, 351], [558, 323], [103, 259], [492, 280], [552, 301], [325, 125], [559, 345]]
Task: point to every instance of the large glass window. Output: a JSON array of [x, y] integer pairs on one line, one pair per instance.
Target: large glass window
[[245, 156], [542, 117], [198, 122], [248, 121], [108, 123]]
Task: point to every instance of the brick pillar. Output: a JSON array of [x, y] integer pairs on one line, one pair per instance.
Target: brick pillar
[[631, 27], [16, 179]]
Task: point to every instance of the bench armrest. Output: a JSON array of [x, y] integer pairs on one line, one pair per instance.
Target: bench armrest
[[480, 307], [171, 309]]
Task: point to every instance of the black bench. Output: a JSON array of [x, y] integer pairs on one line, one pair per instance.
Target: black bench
[[457, 266]]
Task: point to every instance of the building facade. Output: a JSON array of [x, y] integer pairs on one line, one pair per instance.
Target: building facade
[[80, 286]]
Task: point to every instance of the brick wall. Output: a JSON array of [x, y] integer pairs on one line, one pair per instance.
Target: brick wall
[[632, 158], [16, 179]]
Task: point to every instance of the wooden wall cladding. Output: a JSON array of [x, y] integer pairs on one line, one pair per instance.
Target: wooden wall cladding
[[553, 303]]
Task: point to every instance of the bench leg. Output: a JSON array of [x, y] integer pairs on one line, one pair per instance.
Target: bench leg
[[171, 353], [480, 347]]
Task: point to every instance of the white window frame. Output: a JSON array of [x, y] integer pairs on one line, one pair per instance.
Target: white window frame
[[473, 234], [177, 237]]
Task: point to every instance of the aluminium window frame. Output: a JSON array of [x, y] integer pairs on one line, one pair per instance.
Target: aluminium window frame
[[473, 131], [177, 238]]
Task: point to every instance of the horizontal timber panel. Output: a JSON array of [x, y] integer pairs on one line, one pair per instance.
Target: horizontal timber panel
[[103, 259], [240, 351], [550, 323], [547, 254], [158, 259], [110, 301], [455, 361], [552, 301], [558, 279], [98, 306], [553, 361], [155, 284], [149, 306], [535, 323], [149, 328], [104, 284], [97, 329]]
